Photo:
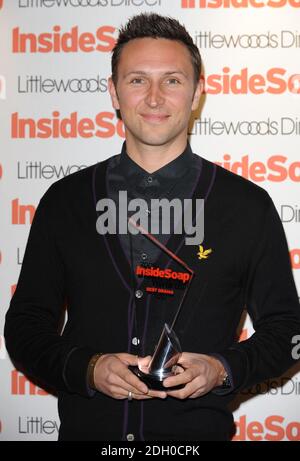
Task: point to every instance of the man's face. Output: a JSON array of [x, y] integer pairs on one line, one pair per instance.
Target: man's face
[[155, 91]]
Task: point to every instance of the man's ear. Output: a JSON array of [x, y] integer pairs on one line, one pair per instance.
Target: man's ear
[[197, 95], [113, 94]]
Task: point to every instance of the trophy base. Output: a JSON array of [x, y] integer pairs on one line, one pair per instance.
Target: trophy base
[[154, 382]]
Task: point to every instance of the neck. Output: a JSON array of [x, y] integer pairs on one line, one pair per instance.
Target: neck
[[152, 158]]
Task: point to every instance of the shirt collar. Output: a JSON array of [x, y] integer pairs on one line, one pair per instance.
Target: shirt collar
[[158, 181]]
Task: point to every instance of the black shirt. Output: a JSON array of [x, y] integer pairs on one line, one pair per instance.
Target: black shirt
[[177, 179]]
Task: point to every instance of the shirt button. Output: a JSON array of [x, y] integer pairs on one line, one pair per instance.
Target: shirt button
[[130, 437], [144, 256], [138, 294], [149, 179], [135, 341]]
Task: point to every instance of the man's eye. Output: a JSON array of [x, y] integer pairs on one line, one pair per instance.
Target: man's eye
[[137, 81], [173, 81]]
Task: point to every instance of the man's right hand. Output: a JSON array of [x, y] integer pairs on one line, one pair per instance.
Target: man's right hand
[[113, 378]]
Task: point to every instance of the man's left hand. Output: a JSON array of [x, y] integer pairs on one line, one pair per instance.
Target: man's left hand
[[198, 372]]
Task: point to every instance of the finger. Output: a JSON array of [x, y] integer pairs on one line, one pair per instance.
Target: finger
[[152, 395], [133, 380], [144, 362], [201, 389], [122, 393], [177, 369], [158, 394], [184, 360], [119, 369], [128, 359], [196, 394], [117, 392], [142, 397], [180, 378], [121, 383], [183, 393]]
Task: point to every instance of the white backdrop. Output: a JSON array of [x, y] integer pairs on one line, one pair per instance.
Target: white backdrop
[[56, 117]]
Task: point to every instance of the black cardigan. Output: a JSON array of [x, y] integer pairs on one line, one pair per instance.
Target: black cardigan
[[68, 263]]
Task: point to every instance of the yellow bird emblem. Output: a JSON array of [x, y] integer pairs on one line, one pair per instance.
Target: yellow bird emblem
[[203, 254]]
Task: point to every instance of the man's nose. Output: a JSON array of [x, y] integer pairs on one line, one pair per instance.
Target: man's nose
[[154, 97]]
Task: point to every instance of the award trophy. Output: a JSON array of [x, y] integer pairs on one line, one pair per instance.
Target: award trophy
[[168, 350]]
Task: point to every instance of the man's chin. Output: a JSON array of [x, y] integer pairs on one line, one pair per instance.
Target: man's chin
[[156, 141]]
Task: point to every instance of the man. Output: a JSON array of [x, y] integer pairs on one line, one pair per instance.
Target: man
[[113, 321]]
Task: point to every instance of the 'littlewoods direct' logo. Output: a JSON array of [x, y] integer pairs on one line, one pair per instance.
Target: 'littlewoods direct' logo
[[37, 425], [165, 216], [238, 3], [280, 386], [268, 39], [86, 3]]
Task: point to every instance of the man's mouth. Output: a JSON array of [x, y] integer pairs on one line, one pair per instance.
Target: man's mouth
[[155, 118]]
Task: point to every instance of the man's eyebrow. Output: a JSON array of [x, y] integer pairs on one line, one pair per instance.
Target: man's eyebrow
[[142, 72]]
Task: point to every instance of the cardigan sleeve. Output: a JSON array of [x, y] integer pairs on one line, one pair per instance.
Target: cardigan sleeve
[[32, 321], [272, 303]]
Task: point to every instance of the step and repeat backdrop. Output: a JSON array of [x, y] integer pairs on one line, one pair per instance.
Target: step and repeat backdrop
[[57, 118]]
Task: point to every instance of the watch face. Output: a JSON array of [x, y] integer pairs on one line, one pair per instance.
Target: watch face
[[226, 382]]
